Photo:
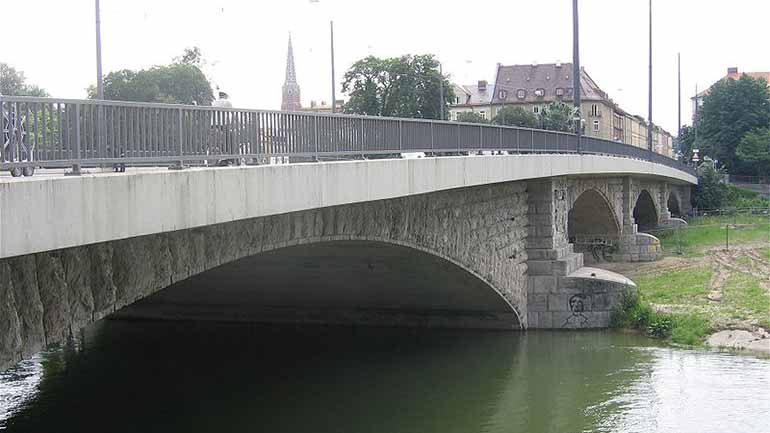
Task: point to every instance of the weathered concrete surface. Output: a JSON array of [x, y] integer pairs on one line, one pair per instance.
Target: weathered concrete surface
[[44, 214], [741, 340], [46, 296]]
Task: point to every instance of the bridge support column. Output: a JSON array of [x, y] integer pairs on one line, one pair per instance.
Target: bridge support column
[[635, 246], [551, 256]]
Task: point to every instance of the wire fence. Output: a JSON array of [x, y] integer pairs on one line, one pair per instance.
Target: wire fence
[[726, 227]]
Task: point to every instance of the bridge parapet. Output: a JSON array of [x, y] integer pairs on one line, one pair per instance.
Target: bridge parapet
[[48, 132]]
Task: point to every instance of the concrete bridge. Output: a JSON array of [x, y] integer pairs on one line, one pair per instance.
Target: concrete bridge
[[492, 241]]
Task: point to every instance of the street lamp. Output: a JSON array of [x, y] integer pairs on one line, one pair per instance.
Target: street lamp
[[99, 80], [576, 72]]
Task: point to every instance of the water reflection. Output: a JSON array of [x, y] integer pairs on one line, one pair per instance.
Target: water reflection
[[166, 377]]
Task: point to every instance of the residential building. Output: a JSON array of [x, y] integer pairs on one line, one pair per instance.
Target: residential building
[[474, 98], [732, 74], [325, 107], [537, 85]]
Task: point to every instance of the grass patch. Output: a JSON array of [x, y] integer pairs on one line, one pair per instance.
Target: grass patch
[[689, 329], [708, 232], [744, 298], [634, 313], [686, 286], [766, 254]]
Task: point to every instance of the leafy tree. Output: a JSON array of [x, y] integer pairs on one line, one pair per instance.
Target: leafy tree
[[754, 150], [406, 86], [711, 191], [558, 116], [685, 143], [14, 83], [516, 116], [729, 111], [191, 56], [471, 117], [181, 82]]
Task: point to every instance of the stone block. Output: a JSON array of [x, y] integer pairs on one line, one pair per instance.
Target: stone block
[[536, 267], [543, 283], [538, 302]]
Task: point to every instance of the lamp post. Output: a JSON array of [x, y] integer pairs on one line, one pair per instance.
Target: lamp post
[[441, 90], [576, 72], [99, 79], [334, 91], [649, 91]]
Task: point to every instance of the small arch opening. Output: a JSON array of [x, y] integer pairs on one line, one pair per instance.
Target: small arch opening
[[645, 214], [592, 227]]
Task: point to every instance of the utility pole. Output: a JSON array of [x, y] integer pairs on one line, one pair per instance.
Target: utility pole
[[441, 89], [576, 72], [679, 92], [99, 80], [334, 91], [649, 93]]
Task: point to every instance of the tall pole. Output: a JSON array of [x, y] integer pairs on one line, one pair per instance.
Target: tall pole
[[679, 93], [334, 91], [576, 72], [99, 80], [649, 92], [441, 90]]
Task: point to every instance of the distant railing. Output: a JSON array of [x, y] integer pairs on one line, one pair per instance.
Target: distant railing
[[49, 133]]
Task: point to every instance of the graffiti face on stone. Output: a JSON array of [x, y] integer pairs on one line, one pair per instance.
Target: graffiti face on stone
[[577, 305]]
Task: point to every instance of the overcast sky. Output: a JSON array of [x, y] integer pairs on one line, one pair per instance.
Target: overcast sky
[[52, 41]]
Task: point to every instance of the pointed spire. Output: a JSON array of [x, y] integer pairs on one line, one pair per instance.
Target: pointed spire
[[291, 100], [291, 75]]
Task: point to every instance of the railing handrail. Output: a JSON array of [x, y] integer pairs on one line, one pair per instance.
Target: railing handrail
[[242, 126]]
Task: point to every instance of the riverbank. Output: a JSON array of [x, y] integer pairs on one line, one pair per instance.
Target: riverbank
[[705, 291]]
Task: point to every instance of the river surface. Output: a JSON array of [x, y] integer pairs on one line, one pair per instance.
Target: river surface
[[204, 377]]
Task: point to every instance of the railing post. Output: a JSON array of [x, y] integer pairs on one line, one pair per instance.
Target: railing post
[[362, 139], [481, 139], [500, 140], [432, 144], [315, 134], [76, 166], [180, 152], [400, 136], [458, 138]]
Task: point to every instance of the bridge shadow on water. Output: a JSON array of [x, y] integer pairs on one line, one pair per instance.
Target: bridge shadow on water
[[209, 377]]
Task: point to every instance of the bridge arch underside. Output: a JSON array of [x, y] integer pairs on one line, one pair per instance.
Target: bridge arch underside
[[673, 205], [354, 282], [645, 213], [591, 221]]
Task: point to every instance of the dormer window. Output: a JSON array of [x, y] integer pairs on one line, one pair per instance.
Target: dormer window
[[503, 94], [521, 93], [559, 92], [540, 92]]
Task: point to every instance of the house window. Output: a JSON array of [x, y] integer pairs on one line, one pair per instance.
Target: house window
[[596, 126], [559, 92], [594, 110], [502, 94], [483, 114], [457, 100], [521, 93], [535, 109], [540, 92]]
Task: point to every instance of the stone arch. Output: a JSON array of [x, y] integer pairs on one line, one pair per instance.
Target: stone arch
[[592, 216], [338, 280], [645, 213], [674, 204]]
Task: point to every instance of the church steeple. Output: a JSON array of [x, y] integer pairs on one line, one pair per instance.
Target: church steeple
[[290, 101]]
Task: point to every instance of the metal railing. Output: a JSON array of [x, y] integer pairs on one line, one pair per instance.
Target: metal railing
[[49, 133]]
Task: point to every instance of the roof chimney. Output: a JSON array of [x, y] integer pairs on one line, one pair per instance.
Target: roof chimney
[[482, 85], [732, 70]]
